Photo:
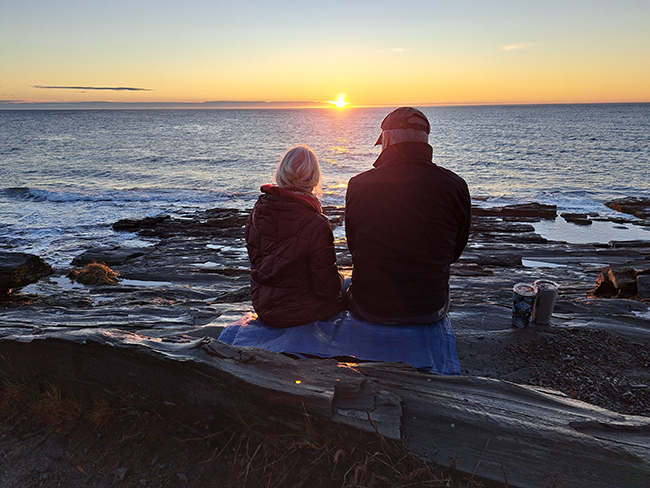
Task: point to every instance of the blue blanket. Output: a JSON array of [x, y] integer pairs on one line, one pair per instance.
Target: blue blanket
[[430, 347]]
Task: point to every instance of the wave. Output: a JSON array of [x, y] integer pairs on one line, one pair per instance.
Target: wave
[[117, 196], [578, 201]]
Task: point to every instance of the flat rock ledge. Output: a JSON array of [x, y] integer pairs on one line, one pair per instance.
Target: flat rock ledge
[[152, 339]]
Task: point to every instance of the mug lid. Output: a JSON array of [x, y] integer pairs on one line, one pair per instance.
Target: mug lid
[[525, 289], [546, 285]]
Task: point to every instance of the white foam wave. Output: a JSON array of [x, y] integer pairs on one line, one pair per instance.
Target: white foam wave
[[116, 196]]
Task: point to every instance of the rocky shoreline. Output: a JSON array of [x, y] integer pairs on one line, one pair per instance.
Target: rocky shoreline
[[194, 279]]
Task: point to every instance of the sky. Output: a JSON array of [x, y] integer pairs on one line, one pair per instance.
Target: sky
[[388, 53]]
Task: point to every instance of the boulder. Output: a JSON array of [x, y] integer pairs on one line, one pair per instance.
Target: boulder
[[19, 269]]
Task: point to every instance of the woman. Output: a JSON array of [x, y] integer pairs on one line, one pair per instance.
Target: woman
[[294, 279]]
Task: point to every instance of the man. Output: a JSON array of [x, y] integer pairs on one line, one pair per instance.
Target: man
[[406, 221]]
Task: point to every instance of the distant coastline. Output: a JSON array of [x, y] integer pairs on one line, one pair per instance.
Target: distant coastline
[[23, 105], [235, 104]]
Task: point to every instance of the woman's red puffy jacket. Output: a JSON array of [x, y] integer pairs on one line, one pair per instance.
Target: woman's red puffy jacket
[[294, 279]]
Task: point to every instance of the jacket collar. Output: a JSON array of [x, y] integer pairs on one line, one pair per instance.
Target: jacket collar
[[307, 200], [404, 152]]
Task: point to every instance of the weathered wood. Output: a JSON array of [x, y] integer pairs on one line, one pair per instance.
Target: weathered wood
[[488, 427], [495, 428]]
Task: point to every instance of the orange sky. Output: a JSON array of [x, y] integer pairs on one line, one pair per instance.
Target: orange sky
[[433, 52]]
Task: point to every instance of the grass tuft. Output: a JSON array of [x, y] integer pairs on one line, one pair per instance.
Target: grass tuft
[[94, 274]]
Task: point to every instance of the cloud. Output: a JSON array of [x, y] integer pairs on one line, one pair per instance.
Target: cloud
[[512, 47], [39, 105], [112, 88]]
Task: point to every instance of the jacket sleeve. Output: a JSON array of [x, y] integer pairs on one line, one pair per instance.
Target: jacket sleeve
[[349, 228], [463, 235], [325, 278]]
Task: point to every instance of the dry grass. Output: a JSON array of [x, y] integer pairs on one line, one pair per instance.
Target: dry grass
[[94, 274], [106, 443]]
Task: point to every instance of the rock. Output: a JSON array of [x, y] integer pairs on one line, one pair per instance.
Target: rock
[[110, 256], [538, 210], [619, 282], [19, 269], [484, 226], [625, 281], [500, 259], [240, 295], [643, 286], [578, 218], [133, 225], [637, 206], [469, 269], [216, 222], [603, 287], [225, 217], [636, 243], [335, 214]]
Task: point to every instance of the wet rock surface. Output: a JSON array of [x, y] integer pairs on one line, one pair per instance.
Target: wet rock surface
[[19, 269], [637, 206], [533, 211], [578, 218]]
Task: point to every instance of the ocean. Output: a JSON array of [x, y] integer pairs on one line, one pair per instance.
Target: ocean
[[68, 175]]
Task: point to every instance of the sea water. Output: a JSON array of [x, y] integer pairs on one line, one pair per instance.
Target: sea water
[[67, 175]]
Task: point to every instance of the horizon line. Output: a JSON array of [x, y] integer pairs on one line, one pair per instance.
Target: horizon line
[[259, 104]]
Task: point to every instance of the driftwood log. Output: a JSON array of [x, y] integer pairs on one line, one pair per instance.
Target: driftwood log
[[491, 428]]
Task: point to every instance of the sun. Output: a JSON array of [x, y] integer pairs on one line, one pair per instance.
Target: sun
[[340, 101]]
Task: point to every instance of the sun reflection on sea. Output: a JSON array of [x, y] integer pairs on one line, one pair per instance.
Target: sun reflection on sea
[[334, 162], [340, 149]]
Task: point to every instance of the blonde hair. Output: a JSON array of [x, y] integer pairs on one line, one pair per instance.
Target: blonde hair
[[299, 170]]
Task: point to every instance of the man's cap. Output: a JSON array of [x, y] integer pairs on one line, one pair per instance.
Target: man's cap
[[404, 118]]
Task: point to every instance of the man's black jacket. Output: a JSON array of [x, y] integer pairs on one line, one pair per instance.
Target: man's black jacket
[[406, 221]]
